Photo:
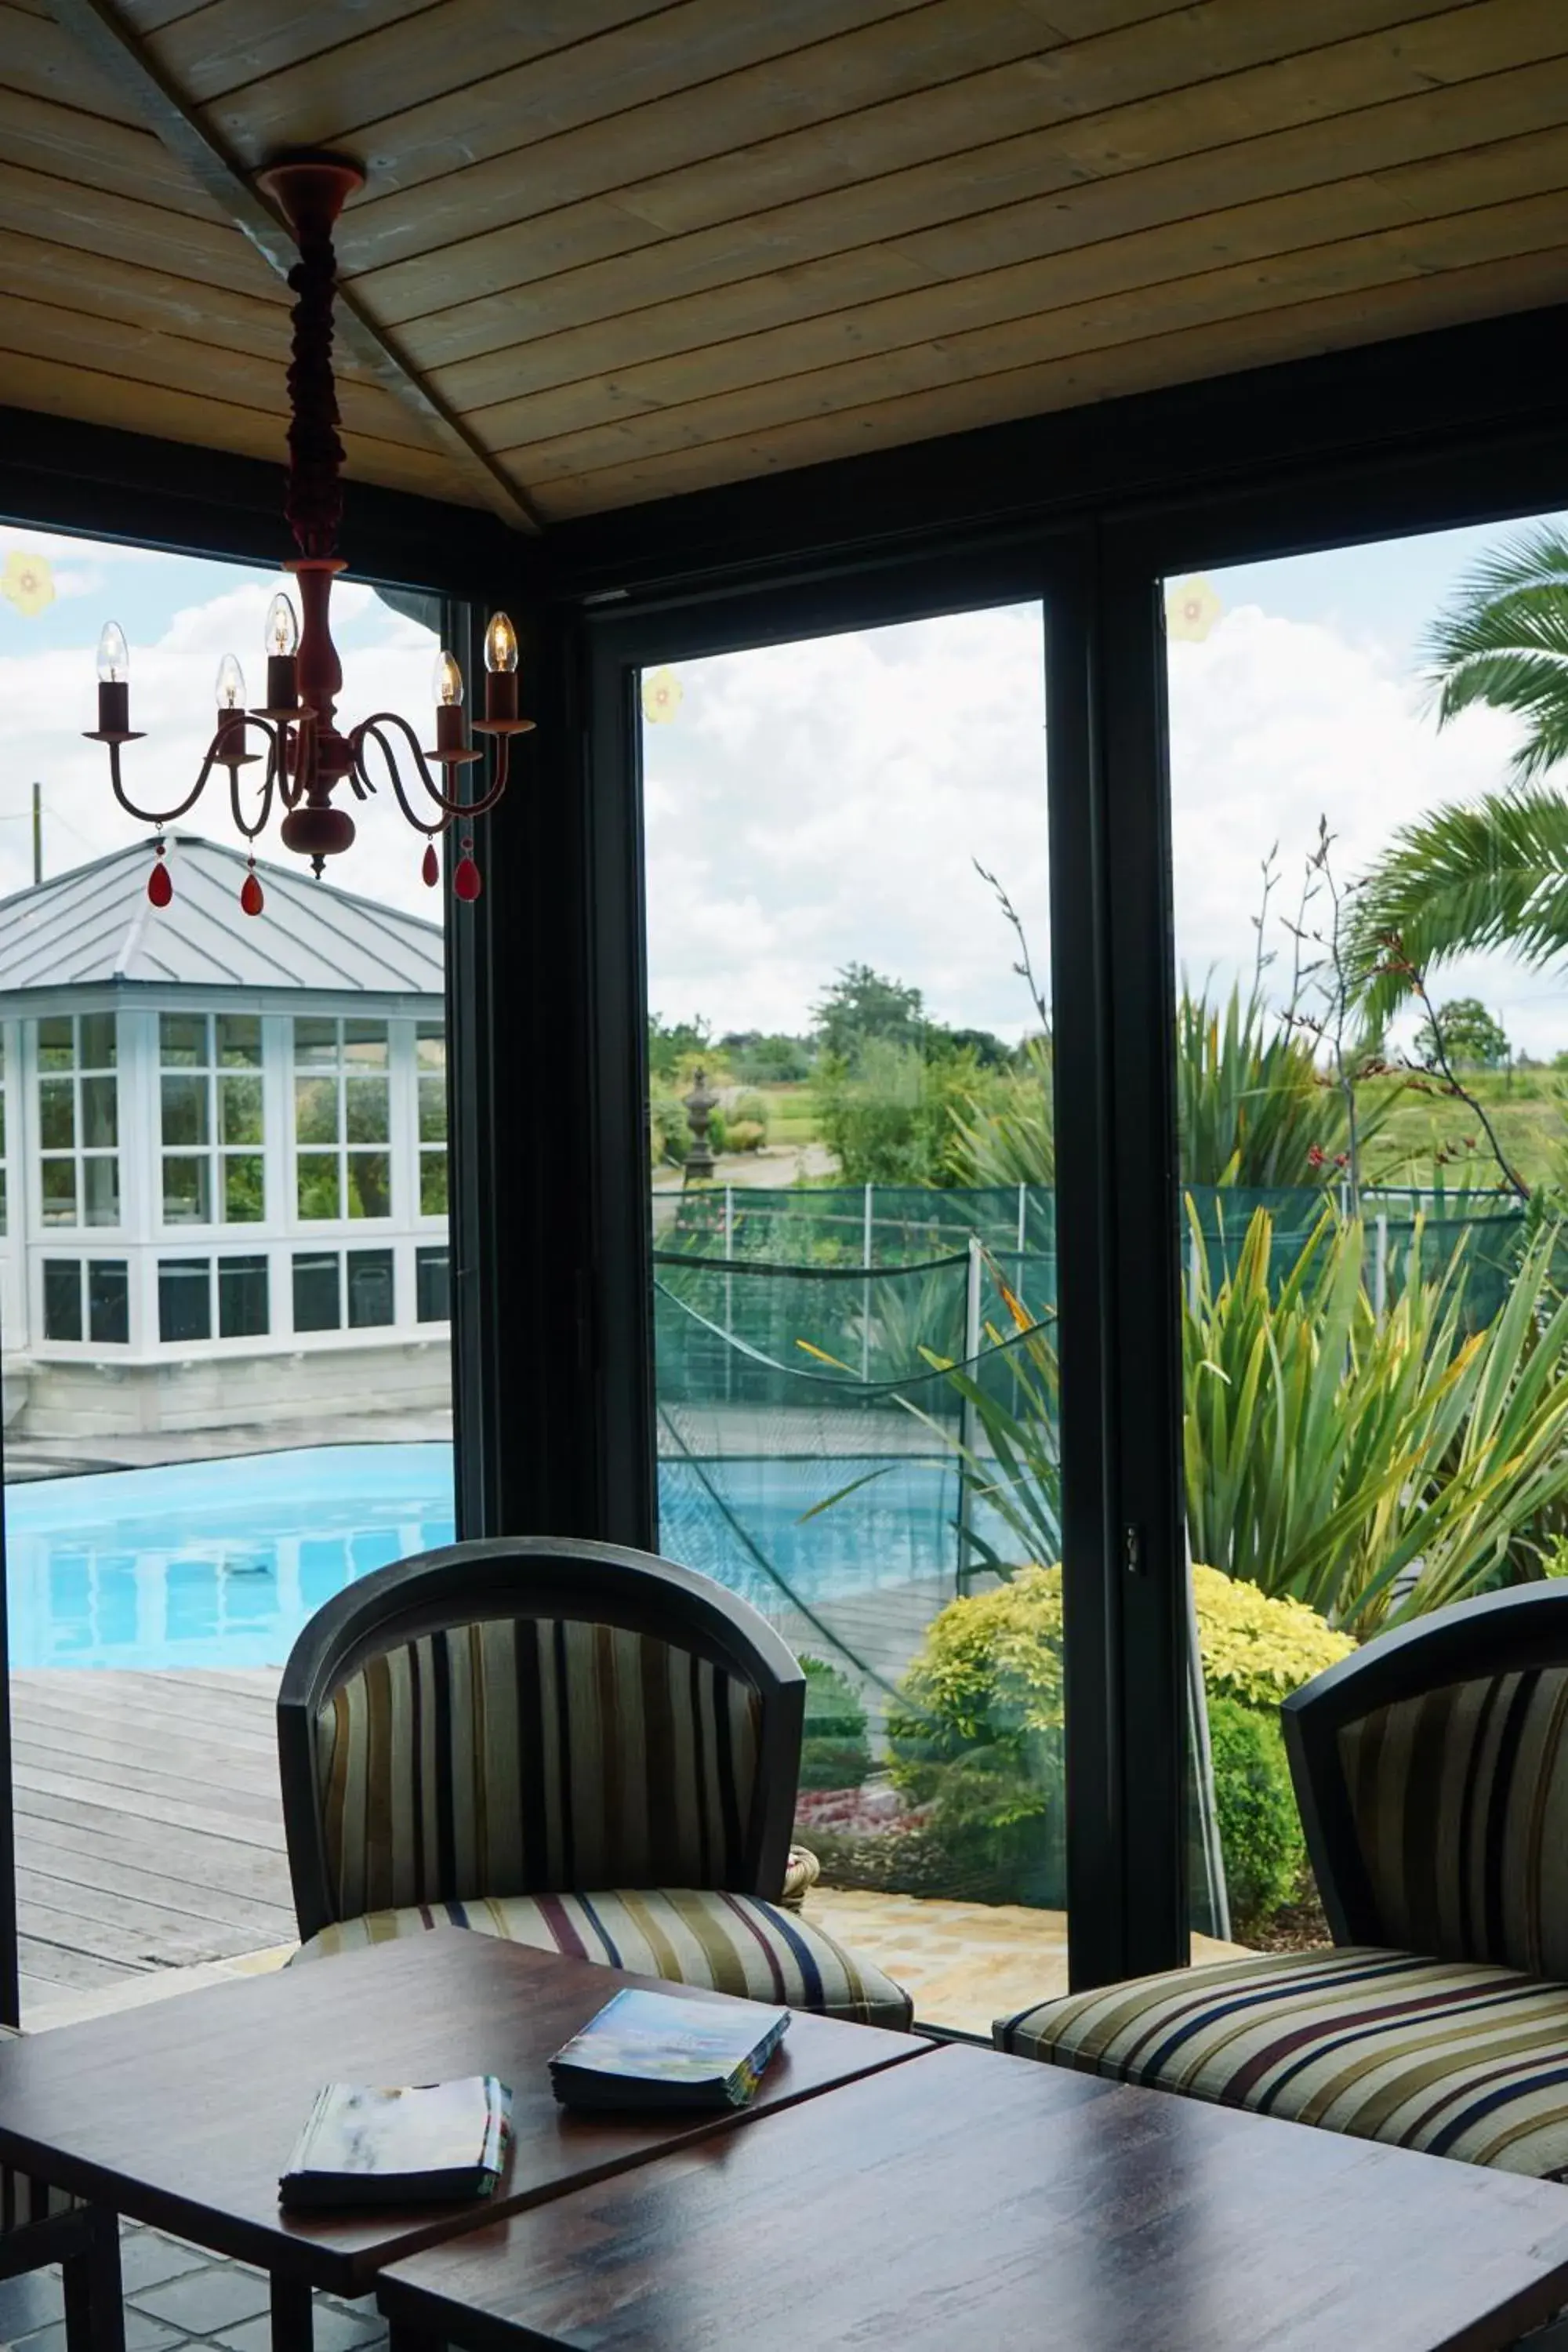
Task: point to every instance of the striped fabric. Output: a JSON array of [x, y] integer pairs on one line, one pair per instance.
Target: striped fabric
[[1460, 1801], [732, 1943], [1458, 2059], [22, 2199], [521, 1755]]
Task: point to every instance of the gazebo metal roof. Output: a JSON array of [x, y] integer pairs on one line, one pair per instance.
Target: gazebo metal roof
[[95, 925]]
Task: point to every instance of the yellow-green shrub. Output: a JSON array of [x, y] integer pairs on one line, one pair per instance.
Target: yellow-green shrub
[[978, 1738], [1257, 1649]]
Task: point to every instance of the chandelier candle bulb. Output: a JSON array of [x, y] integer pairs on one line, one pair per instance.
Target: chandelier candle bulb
[[500, 670], [113, 681], [451, 736], [282, 656], [229, 742]]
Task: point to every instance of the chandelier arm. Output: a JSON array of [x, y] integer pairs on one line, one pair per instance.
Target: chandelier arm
[[269, 782], [372, 730], [164, 817]]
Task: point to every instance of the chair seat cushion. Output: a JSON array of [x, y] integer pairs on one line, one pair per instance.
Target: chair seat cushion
[[1456, 2058], [22, 2199], [732, 1943]]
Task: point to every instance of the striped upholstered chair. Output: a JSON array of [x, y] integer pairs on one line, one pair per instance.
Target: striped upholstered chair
[[584, 1748], [1432, 1773]]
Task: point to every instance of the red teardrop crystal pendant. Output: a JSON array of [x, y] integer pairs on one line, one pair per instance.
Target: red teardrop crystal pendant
[[250, 894], [431, 869], [160, 887], [466, 880]]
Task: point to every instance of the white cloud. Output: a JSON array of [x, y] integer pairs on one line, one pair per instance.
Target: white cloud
[[1275, 722], [817, 804]]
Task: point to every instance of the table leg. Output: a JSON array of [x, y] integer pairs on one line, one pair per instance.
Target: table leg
[[293, 2320], [95, 2310]]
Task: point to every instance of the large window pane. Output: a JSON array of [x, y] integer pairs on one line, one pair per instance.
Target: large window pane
[[1374, 1139], [154, 1307], [852, 1130]]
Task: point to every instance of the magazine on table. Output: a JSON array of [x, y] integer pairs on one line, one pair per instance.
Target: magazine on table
[[411, 2145], [653, 2050]]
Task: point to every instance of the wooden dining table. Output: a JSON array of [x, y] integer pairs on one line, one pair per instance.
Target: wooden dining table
[[981, 2203], [183, 2114]]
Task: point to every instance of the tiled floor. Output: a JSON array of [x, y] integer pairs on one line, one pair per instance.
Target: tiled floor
[[178, 2299]]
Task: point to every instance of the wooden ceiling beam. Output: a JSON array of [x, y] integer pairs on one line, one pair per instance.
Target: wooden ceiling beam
[[104, 36]]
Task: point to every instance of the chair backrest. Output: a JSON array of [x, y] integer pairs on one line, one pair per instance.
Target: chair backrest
[[532, 1716], [1432, 1773]]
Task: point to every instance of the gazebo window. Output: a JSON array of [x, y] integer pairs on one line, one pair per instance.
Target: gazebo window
[[433, 1285], [430, 1051], [185, 1297], [87, 1298], [78, 1119], [212, 1118], [343, 1122], [325, 1280]]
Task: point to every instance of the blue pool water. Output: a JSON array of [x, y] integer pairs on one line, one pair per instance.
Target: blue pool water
[[221, 1563]]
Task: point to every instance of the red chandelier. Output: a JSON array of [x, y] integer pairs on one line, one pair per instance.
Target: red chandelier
[[307, 755]]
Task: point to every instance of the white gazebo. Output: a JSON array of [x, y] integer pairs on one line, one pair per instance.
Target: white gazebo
[[223, 1152]]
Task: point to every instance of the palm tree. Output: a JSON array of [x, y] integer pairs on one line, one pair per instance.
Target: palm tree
[[1495, 872]]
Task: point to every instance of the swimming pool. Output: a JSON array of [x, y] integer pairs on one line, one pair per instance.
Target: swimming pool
[[221, 1563]]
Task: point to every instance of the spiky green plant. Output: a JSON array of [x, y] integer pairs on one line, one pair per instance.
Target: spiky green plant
[[1373, 1468]]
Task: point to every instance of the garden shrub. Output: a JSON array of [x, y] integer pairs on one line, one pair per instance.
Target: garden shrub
[[748, 1110], [744, 1135], [835, 1751], [1259, 1830], [976, 1747]]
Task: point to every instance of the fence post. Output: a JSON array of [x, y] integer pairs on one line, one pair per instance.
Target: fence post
[[968, 1426], [866, 1247], [729, 1294], [1380, 1268]]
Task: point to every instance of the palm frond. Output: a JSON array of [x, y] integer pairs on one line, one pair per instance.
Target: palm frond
[[1492, 875], [1503, 641]]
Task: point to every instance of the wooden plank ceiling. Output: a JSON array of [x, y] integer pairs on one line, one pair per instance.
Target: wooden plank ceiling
[[612, 249]]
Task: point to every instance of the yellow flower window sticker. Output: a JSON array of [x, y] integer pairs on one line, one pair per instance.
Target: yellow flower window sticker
[[1192, 608], [662, 694], [27, 583]]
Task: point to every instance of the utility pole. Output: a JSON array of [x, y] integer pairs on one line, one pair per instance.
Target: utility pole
[[38, 832]]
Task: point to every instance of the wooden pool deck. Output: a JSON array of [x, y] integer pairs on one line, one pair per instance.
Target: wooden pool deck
[[149, 1832]]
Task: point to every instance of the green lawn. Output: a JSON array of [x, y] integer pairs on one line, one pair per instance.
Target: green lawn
[[1528, 1108]]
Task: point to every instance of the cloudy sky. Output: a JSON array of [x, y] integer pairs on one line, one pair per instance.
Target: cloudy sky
[[810, 805], [815, 804], [180, 617]]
